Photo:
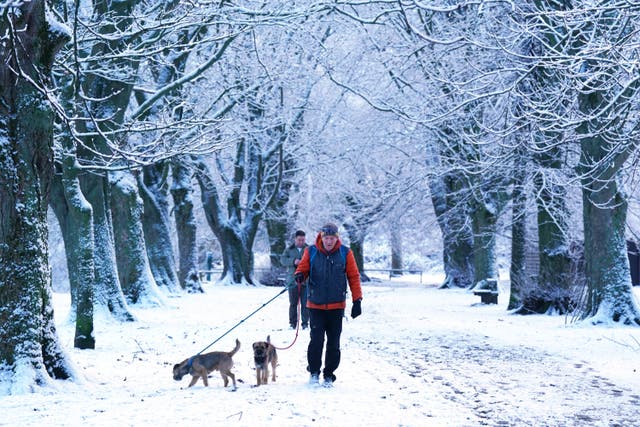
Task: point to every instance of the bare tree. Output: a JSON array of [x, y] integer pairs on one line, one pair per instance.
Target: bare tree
[[607, 134], [558, 69], [585, 111], [30, 351], [239, 184]]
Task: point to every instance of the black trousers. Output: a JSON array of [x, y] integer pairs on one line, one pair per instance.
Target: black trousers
[[293, 305], [324, 323]]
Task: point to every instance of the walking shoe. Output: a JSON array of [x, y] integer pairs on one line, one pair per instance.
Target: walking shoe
[[328, 380], [314, 379]]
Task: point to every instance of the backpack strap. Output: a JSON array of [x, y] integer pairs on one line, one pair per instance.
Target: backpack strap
[[312, 254], [344, 251]]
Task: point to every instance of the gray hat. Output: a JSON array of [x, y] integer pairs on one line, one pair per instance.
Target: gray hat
[[329, 229]]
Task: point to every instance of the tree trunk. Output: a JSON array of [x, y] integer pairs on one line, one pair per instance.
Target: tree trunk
[[280, 223], [457, 236], [396, 250], [157, 230], [182, 192], [356, 248], [483, 222], [610, 296], [75, 217], [277, 230], [356, 243], [106, 98], [235, 236], [554, 280], [108, 294], [553, 291], [237, 254], [518, 239], [30, 352], [237, 258], [609, 290], [236, 223], [134, 273], [29, 343]]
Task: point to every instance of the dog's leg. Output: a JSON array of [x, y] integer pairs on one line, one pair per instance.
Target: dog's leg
[[225, 379], [233, 379], [194, 380], [265, 374], [204, 374], [258, 376], [273, 368]]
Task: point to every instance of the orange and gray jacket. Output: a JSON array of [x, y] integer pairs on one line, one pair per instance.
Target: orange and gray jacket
[[329, 276]]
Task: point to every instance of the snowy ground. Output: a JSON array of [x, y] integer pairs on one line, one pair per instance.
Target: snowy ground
[[417, 356]]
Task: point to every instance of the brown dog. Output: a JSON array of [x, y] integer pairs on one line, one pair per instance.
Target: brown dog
[[264, 354], [201, 365]]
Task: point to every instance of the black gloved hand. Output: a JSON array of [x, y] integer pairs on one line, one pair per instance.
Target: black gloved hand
[[356, 309], [299, 278]]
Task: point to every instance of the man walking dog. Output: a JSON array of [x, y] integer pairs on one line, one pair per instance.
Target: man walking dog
[[329, 266]]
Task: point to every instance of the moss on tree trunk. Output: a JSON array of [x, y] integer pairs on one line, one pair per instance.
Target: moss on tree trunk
[[75, 217]]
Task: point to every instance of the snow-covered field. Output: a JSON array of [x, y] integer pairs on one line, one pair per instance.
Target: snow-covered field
[[417, 356]]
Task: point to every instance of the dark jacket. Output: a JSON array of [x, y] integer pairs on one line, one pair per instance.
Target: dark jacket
[[287, 259]]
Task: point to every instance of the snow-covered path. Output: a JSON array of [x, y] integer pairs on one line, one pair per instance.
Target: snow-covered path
[[417, 356], [482, 366]]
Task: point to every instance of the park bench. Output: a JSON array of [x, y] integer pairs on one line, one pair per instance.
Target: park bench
[[487, 291]]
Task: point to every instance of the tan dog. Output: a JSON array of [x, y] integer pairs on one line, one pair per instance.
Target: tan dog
[[201, 365], [264, 354]]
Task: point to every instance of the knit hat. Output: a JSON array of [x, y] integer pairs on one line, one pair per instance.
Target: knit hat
[[329, 229]]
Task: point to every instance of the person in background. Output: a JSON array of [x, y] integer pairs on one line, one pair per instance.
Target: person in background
[[329, 268], [209, 265], [290, 259]]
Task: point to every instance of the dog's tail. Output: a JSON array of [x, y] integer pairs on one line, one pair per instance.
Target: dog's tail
[[235, 350]]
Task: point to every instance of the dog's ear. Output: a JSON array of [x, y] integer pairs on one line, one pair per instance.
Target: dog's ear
[[269, 339], [255, 345]]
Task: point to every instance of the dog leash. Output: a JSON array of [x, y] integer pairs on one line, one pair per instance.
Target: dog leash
[[297, 324], [286, 288]]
